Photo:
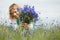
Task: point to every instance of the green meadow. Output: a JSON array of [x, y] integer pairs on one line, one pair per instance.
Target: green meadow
[[41, 33]]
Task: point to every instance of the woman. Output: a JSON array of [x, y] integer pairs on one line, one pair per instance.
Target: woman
[[14, 15]]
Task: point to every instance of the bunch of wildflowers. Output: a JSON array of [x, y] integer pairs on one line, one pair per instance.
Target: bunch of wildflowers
[[27, 14]]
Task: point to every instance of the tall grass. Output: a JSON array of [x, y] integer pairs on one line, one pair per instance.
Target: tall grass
[[6, 33]]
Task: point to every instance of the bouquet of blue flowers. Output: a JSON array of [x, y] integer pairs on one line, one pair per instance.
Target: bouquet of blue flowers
[[27, 14]]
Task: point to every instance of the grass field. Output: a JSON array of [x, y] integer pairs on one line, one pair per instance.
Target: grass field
[[40, 33]]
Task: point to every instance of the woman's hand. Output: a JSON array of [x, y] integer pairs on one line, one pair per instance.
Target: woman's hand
[[25, 25]]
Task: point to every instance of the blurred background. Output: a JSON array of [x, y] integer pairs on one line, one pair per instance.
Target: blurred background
[[48, 10], [48, 25]]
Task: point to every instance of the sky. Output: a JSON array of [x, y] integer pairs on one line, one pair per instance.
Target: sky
[[46, 8]]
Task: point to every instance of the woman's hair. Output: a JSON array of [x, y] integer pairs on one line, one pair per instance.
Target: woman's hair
[[11, 12]]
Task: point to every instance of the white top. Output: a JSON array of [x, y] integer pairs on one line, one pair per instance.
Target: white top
[[13, 23]]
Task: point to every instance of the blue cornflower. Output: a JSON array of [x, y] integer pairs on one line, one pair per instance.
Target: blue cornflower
[[28, 13]]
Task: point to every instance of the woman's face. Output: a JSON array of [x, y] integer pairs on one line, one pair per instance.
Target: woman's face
[[14, 11]]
